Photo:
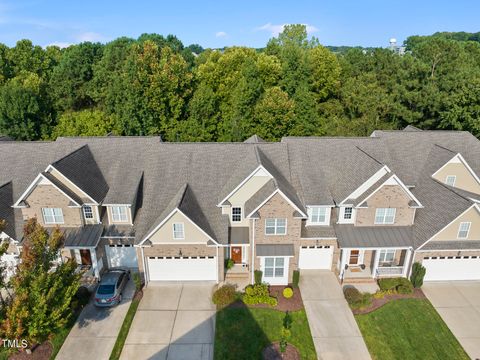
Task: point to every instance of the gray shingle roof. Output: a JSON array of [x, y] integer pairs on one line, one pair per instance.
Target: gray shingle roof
[[239, 235], [80, 168], [452, 245], [7, 213]]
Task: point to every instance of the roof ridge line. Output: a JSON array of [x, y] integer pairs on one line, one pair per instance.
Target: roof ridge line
[[443, 147], [70, 153], [370, 156], [451, 189]]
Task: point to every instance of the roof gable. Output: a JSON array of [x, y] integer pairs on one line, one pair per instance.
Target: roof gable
[[466, 178]]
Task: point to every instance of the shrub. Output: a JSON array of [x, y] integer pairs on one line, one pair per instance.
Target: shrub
[[81, 297], [225, 295], [418, 273], [287, 293], [296, 278], [287, 321], [258, 294], [229, 264], [352, 295], [258, 276], [400, 285]]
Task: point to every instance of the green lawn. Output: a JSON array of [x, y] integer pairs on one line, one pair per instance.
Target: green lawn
[[408, 329], [243, 333], [122, 335]]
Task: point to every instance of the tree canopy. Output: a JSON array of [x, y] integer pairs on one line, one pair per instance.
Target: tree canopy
[[154, 85]]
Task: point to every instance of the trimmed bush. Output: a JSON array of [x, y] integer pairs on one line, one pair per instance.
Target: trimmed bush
[[229, 264], [81, 297], [258, 276], [418, 273], [287, 293], [400, 285], [258, 294], [296, 279], [225, 295], [352, 295], [287, 321]]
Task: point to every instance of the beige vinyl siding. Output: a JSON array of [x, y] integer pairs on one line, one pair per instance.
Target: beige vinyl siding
[[451, 231], [129, 216], [47, 196], [464, 180], [245, 192], [165, 233], [388, 196]]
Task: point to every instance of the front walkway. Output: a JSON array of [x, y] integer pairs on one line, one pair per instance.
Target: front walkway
[[95, 332], [173, 321], [458, 303], [334, 329]]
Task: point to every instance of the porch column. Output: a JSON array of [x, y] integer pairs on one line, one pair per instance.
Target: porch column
[[406, 262], [343, 260], [375, 263], [93, 255]]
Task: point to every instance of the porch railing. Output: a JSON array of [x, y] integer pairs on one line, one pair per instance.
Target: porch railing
[[389, 270]]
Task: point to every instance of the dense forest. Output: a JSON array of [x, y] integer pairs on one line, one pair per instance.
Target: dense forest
[[154, 85]]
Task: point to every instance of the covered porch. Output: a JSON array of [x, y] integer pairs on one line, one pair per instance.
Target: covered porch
[[374, 263], [238, 251]]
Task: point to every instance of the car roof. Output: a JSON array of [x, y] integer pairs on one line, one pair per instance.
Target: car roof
[[110, 277]]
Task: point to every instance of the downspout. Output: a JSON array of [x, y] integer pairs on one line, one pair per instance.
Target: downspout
[[253, 252], [218, 264], [144, 267]]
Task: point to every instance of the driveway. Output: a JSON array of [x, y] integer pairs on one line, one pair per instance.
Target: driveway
[[175, 321], [334, 329], [96, 330], [458, 303]]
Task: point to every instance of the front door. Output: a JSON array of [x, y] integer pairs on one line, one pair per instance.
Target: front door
[[354, 256], [85, 257], [237, 254]]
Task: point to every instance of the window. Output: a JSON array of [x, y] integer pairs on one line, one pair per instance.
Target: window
[[319, 215], [463, 230], [275, 226], [347, 213], [450, 180], [88, 212], [385, 216], [52, 215], [178, 231], [119, 214], [236, 214], [386, 256], [274, 267]]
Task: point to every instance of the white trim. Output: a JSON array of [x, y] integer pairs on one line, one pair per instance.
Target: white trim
[[327, 215], [252, 267], [452, 250], [243, 182], [52, 215], [70, 181], [91, 212], [401, 184], [129, 205], [167, 218], [33, 184], [278, 191], [320, 238], [112, 215], [464, 162], [241, 214], [453, 182], [468, 230], [182, 225], [476, 206], [367, 184], [384, 221], [275, 226]]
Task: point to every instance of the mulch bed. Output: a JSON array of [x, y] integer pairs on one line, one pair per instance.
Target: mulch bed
[[378, 303], [293, 304], [272, 352], [41, 352]]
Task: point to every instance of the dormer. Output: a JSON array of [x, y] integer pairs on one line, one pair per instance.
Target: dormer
[[457, 173]]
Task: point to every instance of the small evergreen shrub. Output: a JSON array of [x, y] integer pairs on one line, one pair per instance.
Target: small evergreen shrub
[[81, 298], [418, 273], [400, 285], [296, 279], [352, 295], [287, 293], [258, 276], [258, 294], [229, 264], [287, 321], [224, 295]]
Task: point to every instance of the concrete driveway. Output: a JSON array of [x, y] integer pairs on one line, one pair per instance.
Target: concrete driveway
[[174, 321], [96, 330], [458, 303], [334, 329]]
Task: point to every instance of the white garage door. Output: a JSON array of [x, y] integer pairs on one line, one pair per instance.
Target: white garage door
[[316, 257], [182, 268], [121, 255], [452, 268]]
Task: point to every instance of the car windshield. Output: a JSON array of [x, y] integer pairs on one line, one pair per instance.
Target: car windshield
[[106, 289]]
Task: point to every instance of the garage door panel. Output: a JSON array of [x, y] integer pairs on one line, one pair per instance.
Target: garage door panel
[[121, 255], [455, 268], [182, 269], [316, 257]]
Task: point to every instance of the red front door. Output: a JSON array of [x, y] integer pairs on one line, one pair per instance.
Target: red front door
[[85, 257], [237, 254]]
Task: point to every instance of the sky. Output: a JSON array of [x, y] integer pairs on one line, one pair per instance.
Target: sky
[[227, 23]]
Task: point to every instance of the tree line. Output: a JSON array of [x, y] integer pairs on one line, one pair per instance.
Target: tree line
[[154, 85]]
